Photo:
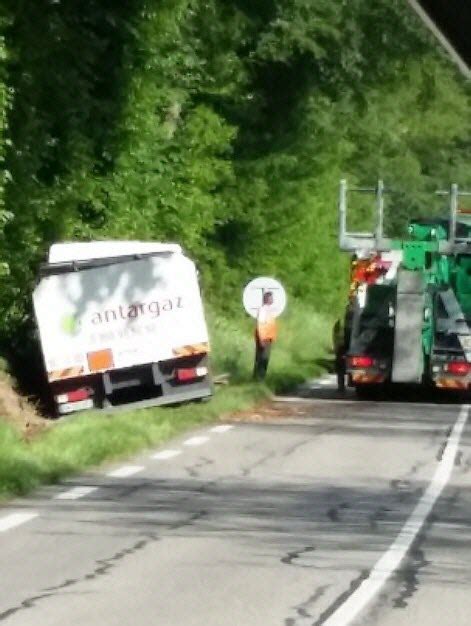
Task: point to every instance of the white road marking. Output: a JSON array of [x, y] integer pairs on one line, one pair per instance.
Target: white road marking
[[222, 428], [75, 493], [125, 471], [165, 454], [391, 559], [195, 441], [15, 519]]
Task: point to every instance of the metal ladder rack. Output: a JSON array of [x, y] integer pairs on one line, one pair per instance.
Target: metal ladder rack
[[376, 241], [455, 244], [352, 241]]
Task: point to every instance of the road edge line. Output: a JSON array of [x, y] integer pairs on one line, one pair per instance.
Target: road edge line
[[392, 558]]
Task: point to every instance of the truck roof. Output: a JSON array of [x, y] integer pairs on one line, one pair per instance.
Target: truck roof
[[67, 252]]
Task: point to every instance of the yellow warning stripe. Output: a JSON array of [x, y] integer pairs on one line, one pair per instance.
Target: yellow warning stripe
[[68, 372], [197, 348]]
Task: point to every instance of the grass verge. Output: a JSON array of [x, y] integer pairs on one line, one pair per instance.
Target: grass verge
[[89, 439]]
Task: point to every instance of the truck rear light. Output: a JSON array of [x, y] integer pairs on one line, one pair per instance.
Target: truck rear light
[[74, 396], [458, 368], [190, 373], [360, 361]]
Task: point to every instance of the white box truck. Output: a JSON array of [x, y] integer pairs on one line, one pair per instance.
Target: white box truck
[[121, 322]]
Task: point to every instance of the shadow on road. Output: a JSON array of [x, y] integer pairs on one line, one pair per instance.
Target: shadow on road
[[327, 527], [309, 525]]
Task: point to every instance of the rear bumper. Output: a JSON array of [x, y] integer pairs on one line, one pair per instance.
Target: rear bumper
[[142, 386]]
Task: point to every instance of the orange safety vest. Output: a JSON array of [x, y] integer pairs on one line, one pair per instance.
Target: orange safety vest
[[267, 329]]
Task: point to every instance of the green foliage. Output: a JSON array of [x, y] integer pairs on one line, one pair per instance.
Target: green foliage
[[224, 126], [5, 101]]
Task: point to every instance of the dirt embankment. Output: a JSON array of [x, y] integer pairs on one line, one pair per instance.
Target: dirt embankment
[[18, 411]]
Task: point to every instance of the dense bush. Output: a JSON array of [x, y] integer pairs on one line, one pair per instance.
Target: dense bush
[[223, 125]]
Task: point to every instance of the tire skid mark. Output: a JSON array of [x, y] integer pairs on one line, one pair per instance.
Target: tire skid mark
[[340, 599], [293, 448], [296, 554], [409, 574], [102, 567], [246, 471], [193, 470], [303, 609], [299, 444], [444, 443]]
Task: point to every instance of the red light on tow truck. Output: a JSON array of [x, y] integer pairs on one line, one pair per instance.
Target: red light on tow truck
[[458, 368], [360, 361]]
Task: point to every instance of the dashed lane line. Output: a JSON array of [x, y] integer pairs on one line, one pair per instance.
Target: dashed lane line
[[222, 428], [75, 493], [15, 519], [165, 454], [125, 471], [196, 441], [392, 558]]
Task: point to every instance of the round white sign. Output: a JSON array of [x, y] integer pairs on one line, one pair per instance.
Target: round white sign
[[253, 296]]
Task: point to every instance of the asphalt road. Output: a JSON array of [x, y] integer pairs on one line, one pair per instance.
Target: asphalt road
[[319, 512]]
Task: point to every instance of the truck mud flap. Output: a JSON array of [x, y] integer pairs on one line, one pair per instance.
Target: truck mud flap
[[454, 327], [408, 365], [370, 331]]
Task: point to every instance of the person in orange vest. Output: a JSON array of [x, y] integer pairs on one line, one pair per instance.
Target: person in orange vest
[[265, 334]]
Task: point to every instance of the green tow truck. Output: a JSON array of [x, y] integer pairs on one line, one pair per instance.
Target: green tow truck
[[408, 318]]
